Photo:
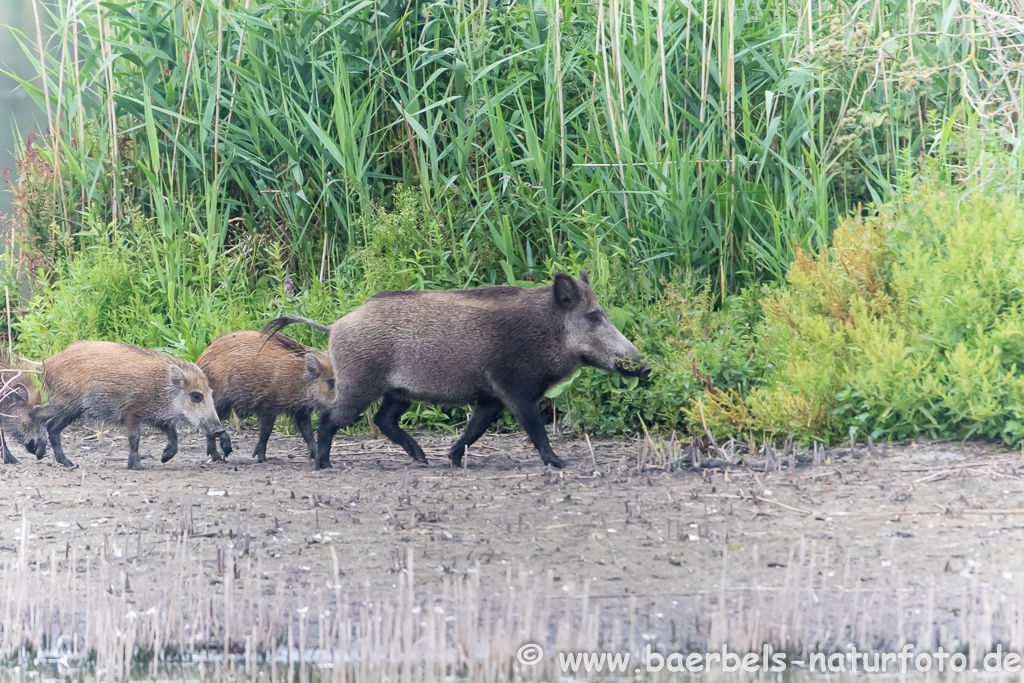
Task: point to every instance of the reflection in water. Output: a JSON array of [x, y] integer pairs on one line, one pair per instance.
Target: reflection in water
[[18, 113]]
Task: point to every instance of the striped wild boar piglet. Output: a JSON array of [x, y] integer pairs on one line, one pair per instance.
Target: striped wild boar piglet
[[125, 385], [18, 395], [256, 376]]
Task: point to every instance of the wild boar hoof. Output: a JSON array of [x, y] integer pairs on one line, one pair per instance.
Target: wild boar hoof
[[10, 459], [134, 464], [168, 455], [419, 456], [555, 461], [323, 465]]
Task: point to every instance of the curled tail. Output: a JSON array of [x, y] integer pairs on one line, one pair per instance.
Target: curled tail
[[278, 324]]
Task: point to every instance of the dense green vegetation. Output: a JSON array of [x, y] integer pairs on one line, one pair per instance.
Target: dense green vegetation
[[212, 164]]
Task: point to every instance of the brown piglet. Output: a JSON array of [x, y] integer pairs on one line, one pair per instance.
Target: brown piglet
[[18, 395], [125, 385], [254, 376]]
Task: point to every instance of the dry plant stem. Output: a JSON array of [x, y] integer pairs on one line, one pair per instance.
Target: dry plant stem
[[10, 339]]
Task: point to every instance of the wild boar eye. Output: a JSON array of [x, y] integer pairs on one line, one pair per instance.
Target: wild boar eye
[[196, 397], [594, 317], [330, 384]]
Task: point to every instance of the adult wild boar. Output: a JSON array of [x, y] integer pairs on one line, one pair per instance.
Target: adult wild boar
[[18, 395], [252, 375], [494, 347], [125, 385]]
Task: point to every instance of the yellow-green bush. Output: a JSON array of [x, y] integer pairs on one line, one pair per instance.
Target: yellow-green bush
[[911, 323]]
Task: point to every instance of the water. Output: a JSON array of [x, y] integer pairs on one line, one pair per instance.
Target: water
[[19, 115], [237, 671]]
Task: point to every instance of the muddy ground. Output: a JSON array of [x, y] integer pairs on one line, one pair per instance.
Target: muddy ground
[[930, 515]]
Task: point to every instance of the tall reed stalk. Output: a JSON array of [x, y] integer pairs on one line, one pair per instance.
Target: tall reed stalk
[[712, 137]]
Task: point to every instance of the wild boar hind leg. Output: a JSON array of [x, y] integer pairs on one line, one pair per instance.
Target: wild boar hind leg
[[347, 408], [484, 414], [387, 417], [266, 429]]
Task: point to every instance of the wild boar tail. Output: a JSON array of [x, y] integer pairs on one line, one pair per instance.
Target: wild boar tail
[[278, 324]]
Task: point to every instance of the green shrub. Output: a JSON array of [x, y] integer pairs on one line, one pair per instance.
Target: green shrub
[[911, 323]]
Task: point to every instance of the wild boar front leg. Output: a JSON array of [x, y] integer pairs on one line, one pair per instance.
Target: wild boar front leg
[[40, 439], [225, 444], [50, 420], [211, 447], [9, 458], [171, 449], [305, 427], [53, 429], [224, 410], [528, 415]]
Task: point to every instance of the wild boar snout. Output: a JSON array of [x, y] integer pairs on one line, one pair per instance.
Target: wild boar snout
[[590, 333], [213, 428], [632, 366], [319, 377], [194, 399]]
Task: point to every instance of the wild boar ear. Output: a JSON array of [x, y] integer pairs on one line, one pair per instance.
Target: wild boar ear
[[20, 393], [584, 277], [313, 368], [177, 376], [567, 292]]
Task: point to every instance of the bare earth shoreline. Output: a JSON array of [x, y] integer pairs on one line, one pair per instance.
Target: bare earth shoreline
[[920, 545]]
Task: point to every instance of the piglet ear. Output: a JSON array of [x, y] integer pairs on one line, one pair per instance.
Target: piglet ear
[[20, 393], [313, 367], [177, 376], [584, 277], [567, 292]]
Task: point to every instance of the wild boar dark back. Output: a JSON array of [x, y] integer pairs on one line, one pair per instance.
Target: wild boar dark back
[[494, 347], [125, 385], [254, 376]]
